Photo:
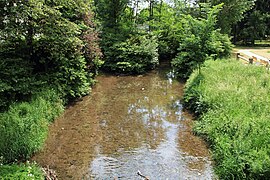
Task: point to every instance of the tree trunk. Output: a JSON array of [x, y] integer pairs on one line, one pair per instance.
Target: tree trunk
[[151, 12]]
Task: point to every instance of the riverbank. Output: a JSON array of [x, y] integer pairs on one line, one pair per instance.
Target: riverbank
[[24, 129], [232, 101]]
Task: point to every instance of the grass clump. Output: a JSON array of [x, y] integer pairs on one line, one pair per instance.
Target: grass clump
[[24, 172], [24, 126], [233, 103]]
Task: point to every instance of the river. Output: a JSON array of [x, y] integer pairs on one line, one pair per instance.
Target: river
[[127, 124]]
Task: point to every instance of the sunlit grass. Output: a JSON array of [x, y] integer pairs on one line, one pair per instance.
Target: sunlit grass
[[23, 171], [233, 101], [262, 42], [24, 126]]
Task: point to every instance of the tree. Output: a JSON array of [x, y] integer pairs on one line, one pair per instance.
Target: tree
[[126, 47], [110, 12], [231, 13], [255, 25], [201, 40], [46, 41]]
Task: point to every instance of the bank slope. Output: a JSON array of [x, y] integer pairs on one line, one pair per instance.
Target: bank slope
[[232, 101]]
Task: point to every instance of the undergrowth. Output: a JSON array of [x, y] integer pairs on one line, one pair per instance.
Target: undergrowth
[[232, 101], [23, 172], [24, 126]]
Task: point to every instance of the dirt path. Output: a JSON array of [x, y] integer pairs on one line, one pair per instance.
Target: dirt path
[[259, 55], [250, 53], [264, 52]]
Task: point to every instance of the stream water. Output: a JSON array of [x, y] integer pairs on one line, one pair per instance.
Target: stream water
[[127, 124]]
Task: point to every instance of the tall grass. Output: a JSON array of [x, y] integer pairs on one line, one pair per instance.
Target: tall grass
[[232, 101], [24, 127]]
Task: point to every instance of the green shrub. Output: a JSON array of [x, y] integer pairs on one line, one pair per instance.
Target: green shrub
[[24, 126], [16, 82], [23, 172], [62, 51], [136, 55], [233, 100], [201, 41]]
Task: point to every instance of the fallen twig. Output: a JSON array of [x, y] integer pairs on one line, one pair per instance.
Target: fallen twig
[[143, 176]]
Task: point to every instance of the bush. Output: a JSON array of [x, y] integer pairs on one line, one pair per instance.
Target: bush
[[22, 172], [233, 103], [24, 126], [201, 41], [136, 55], [53, 44], [14, 82]]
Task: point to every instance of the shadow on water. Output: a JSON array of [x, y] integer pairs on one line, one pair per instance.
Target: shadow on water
[[128, 123]]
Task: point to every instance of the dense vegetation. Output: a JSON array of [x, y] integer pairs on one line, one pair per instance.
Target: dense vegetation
[[46, 43], [49, 54], [255, 24], [201, 41], [232, 101], [127, 49], [61, 45], [24, 171], [24, 127], [245, 20]]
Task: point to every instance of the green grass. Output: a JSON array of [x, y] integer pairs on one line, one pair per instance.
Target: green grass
[[262, 42], [232, 101], [24, 126], [22, 172]]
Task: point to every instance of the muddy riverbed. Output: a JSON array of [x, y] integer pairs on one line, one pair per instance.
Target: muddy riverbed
[[127, 124]]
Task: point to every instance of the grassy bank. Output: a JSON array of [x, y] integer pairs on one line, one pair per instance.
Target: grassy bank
[[233, 103], [24, 128], [23, 171]]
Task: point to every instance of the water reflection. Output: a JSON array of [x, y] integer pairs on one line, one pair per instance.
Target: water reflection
[[128, 124]]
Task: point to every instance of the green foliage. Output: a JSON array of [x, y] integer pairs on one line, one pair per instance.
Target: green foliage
[[50, 44], [110, 12], [135, 55], [24, 126], [232, 100], [231, 13], [16, 82], [47, 43], [126, 49], [200, 41], [24, 172], [60, 51], [167, 25], [255, 24]]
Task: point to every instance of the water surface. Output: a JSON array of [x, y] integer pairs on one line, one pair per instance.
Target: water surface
[[127, 124]]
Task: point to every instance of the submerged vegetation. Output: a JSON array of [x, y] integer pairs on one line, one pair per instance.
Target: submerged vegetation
[[232, 101]]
